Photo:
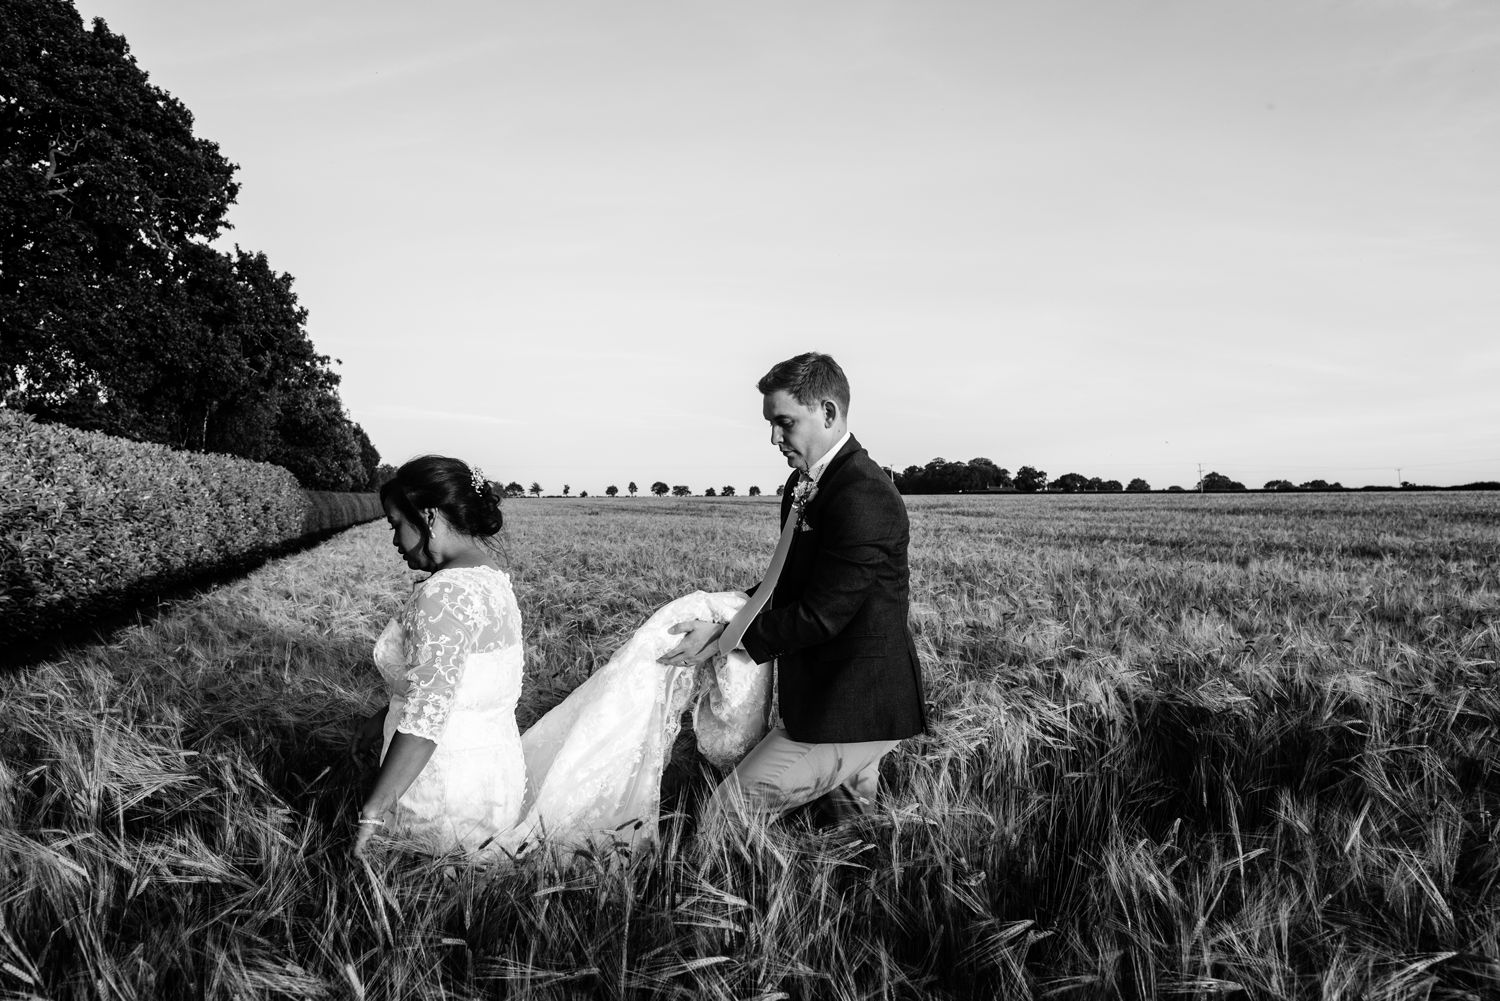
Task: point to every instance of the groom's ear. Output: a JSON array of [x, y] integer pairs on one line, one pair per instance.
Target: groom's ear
[[830, 413]]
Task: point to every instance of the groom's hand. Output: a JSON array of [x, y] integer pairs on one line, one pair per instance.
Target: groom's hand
[[698, 645]]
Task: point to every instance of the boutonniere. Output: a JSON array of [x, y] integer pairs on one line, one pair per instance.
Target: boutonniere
[[802, 494]]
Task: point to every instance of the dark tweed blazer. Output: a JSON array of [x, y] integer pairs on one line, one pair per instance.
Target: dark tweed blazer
[[846, 666]]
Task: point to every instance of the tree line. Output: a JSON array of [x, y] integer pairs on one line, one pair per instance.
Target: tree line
[[659, 489], [118, 314], [941, 476]]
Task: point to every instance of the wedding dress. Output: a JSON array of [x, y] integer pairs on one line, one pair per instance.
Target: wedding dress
[[592, 766]]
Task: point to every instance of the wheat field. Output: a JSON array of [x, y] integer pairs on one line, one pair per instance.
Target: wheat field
[[1182, 746]]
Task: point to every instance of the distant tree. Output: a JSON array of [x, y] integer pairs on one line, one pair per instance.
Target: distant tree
[[1029, 480], [566, 488], [1138, 486], [1322, 485], [611, 490], [1069, 483], [632, 488], [779, 488], [681, 490], [1094, 485], [754, 491], [583, 493], [659, 488], [536, 489], [710, 492], [726, 492], [369, 459], [514, 489], [1218, 483], [1110, 487], [1279, 485], [1175, 489], [983, 474]]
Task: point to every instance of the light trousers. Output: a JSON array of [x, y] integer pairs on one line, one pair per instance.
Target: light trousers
[[781, 774]]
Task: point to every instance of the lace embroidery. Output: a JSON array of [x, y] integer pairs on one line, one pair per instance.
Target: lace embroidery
[[452, 614]]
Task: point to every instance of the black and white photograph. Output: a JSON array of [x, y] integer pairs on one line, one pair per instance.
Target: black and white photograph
[[804, 500]]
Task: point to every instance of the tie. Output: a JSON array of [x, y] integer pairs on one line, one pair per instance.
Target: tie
[[735, 631]]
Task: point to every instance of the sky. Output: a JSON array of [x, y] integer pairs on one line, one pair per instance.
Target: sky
[[565, 239]]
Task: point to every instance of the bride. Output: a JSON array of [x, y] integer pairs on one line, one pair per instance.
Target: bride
[[455, 771]]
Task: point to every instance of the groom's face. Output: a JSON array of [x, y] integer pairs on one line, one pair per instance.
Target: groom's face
[[802, 434]]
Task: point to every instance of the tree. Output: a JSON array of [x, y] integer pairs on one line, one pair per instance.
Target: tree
[[583, 493], [536, 489], [1218, 482], [1315, 485], [632, 488], [611, 490], [1111, 487], [985, 475], [514, 489], [1069, 483], [1174, 489], [369, 460], [313, 437], [1138, 486], [754, 491], [659, 488], [102, 184], [726, 492], [710, 492], [566, 488], [681, 490], [120, 315], [1279, 485], [1029, 480]]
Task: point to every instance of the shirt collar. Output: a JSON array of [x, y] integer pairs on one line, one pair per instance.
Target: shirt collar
[[816, 469]]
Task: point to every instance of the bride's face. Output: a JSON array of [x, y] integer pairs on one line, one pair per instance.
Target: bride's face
[[407, 538]]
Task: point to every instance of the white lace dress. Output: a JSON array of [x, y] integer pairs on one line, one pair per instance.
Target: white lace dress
[[452, 663], [592, 766]]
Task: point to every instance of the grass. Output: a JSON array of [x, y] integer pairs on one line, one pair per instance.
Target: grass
[[1182, 746]]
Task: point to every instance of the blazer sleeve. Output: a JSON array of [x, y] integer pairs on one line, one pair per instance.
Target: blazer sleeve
[[861, 526]]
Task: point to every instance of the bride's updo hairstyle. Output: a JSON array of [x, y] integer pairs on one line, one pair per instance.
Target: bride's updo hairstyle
[[452, 486]]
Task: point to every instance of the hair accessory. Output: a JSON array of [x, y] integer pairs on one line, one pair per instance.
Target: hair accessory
[[371, 821], [476, 477]]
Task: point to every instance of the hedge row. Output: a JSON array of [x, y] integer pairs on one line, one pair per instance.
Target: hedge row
[[88, 521], [328, 511]]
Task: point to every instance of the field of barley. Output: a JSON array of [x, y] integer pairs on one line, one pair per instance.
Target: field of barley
[[1182, 747]]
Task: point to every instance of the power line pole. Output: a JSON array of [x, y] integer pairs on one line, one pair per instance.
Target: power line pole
[[1398, 477], [1200, 477]]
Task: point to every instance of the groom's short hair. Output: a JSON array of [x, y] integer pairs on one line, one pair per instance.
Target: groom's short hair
[[809, 378]]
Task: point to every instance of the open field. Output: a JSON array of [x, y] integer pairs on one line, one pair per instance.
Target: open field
[[1197, 747]]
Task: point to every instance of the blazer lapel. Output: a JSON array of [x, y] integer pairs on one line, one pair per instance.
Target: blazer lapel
[[845, 454]]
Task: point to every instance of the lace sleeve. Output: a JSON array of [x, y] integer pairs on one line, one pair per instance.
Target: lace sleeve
[[440, 634]]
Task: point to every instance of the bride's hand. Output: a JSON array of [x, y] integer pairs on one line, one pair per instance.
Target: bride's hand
[[368, 825], [698, 646]]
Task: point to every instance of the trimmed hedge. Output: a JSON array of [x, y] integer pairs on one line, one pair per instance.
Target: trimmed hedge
[[329, 511], [88, 521]]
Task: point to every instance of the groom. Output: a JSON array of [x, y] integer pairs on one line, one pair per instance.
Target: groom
[[848, 685]]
